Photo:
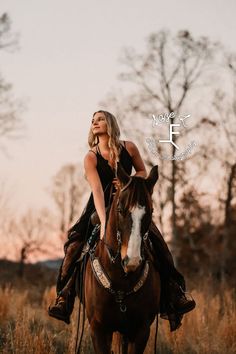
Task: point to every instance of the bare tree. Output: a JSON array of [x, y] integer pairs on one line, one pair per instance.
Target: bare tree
[[5, 207], [68, 189], [225, 105], [165, 79], [11, 125], [6, 215], [31, 236]]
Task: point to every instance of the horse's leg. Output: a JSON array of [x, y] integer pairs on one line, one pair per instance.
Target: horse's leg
[[101, 339], [140, 342]]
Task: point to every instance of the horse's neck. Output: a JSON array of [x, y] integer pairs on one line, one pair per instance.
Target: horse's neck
[[110, 246], [112, 228]]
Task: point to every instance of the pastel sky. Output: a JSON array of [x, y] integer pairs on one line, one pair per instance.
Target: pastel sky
[[68, 61]]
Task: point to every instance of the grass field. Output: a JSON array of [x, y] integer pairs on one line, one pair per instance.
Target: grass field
[[25, 327]]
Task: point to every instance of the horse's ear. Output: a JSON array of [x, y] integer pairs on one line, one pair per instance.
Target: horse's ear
[[152, 178], [122, 175]]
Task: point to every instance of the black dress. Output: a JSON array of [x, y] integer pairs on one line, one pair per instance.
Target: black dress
[[82, 229], [106, 174], [171, 279]]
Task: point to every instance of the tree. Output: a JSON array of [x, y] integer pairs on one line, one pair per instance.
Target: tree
[[31, 236], [166, 79], [195, 232], [225, 106], [11, 124], [68, 189]]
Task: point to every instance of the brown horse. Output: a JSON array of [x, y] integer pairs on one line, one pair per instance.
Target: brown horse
[[122, 288]]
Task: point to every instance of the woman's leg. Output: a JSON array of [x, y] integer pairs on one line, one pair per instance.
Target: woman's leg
[[66, 293], [72, 248]]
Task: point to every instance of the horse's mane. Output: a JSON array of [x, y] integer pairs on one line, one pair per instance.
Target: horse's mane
[[137, 194]]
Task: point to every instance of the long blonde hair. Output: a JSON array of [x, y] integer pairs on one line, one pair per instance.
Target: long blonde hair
[[113, 131]]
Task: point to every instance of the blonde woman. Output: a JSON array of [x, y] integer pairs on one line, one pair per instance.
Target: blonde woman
[[100, 163]]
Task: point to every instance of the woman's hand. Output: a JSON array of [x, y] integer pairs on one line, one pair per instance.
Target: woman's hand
[[116, 183]]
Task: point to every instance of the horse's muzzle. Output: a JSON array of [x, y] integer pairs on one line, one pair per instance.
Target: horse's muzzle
[[130, 265]]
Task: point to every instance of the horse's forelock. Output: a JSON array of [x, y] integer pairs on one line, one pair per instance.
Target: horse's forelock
[[137, 194]]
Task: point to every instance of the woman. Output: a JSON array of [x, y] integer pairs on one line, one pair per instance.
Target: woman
[[100, 164]]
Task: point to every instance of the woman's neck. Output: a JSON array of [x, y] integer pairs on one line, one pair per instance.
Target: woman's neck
[[103, 142]]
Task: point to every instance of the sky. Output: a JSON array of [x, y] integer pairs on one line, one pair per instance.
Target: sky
[[66, 64]]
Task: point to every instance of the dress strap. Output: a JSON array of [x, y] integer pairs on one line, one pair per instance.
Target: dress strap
[[93, 152], [122, 143]]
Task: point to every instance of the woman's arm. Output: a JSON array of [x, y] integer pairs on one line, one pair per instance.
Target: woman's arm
[[137, 159], [90, 163]]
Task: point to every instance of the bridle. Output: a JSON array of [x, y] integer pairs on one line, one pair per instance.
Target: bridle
[[117, 255]]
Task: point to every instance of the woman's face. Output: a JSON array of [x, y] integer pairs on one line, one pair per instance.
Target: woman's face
[[99, 124]]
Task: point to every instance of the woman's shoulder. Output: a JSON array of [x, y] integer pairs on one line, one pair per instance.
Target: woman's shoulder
[[130, 147], [91, 156]]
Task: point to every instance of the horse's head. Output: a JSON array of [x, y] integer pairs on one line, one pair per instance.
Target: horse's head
[[134, 206]]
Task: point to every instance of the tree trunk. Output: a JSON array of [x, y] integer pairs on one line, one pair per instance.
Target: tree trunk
[[227, 218], [22, 262]]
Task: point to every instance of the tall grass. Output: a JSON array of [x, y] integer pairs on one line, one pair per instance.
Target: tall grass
[[25, 327]]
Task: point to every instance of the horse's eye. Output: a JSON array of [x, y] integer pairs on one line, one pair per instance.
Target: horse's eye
[[120, 209]]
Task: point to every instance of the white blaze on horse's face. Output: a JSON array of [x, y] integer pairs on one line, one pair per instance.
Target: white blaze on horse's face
[[134, 245]]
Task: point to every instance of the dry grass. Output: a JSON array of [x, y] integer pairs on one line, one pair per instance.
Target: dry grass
[[205, 330], [25, 327]]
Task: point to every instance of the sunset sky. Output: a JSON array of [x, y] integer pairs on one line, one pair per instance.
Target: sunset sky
[[68, 61]]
